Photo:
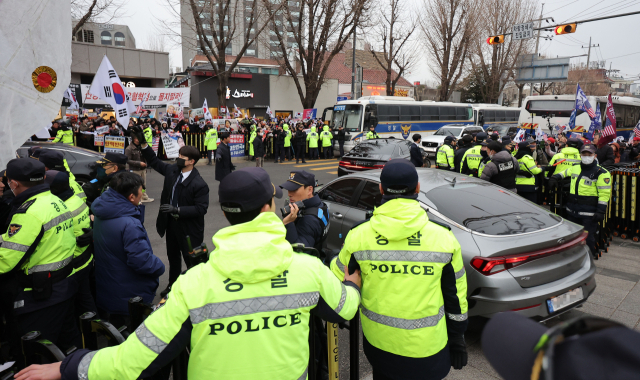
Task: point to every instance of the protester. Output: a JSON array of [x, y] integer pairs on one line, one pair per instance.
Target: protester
[[223, 157], [125, 264], [258, 148], [138, 165]]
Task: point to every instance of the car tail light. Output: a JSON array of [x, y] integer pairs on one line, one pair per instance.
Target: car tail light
[[378, 166], [492, 265]]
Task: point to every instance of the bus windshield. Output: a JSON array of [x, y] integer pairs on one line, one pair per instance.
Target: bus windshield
[[558, 108], [349, 116]]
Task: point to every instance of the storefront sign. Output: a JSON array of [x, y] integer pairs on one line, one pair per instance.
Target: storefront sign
[[157, 97], [239, 94], [114, 144], [236, 145]]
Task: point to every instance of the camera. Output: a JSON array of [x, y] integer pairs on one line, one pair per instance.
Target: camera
[[286, 210]]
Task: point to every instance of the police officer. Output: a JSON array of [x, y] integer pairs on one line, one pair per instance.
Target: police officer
[[54, 160], [312, 138], [414, 307], [36, 253], [307, 225], [327, 144], [526, 176], [568, 156], [299, 143], [589, 194], [244, 313], [463, 145], [252, 136], [472, 157], [109, 165], [502, 168], [372, 133], [64, 134], [211, 142], [287, 141], [58, 182], [445, 153]]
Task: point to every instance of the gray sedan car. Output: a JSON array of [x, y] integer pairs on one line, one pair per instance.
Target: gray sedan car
[[518, 256]]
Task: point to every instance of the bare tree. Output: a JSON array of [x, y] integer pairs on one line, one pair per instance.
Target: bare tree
[[103, 11], [449, 27], [157, 42], [543, 87], [497, 63], [309, 37], [392, 31]]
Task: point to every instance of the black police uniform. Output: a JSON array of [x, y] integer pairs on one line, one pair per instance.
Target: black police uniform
[[312, 222], [299, 144]]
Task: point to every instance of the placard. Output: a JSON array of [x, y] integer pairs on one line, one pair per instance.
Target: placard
[[98, 140], [114, 144], [171, 146], [102, 130], [236, 145]]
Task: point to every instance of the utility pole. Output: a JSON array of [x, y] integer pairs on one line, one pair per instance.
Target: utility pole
[[353, 67], [589, 52], [535, 56]]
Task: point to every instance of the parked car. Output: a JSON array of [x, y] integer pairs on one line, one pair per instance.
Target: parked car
[[431, 143], [502, 129], [82, 162], [517, 255], [374, 154]]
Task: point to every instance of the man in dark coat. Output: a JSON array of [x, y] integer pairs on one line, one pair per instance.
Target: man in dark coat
[[223, 157], [183, 203], [340, 137], [125, 264], [300, 143], [416, 151], [605, 153], [258, 148], [463, 145]]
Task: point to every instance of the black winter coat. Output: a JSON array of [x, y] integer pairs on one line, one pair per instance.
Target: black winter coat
[[193, 200], [416, 156], [224, 166], [605, 155], [340, 135], [299, 138], [258, 147]]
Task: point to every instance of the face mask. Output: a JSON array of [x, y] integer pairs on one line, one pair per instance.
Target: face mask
[[587, 159], [484, 154], [490, 155], [181, 162], [12, 189], [102, 173]]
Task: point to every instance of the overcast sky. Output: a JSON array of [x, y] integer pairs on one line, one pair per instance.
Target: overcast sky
[[619, 38]]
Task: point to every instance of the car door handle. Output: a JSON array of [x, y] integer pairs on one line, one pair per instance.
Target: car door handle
[[337, 215]]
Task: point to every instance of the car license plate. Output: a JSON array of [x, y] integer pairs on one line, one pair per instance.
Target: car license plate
[[430, 149], [364, 163], [563, 300]]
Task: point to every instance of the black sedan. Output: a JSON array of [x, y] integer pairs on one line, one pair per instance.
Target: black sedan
[[82, 162], [374, 154]]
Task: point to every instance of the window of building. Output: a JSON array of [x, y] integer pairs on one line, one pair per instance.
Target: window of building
[[295, 24], [228, 50], [276, 54], [295, 14], [293, 3], [85, 36], [206, 26], [251, 51], [269, 71], [120, 40], [105, 38]]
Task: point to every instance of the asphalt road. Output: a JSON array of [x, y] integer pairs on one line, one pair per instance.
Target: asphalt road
[[617, 295]]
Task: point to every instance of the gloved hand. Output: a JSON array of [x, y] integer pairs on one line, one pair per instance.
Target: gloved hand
[[598, 216], [86, 238], [457, 351], [553, 182], [136, 131], [170, 209]]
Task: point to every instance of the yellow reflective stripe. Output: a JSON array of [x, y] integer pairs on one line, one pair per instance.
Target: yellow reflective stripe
[[420, 256], [604, 187], [57, 220], [457, 317], [79, 210], [83, 367], [343, 298], [150, 340], [52, 267], [14, 246], [401, 323], [460, 273], [81, 195], [339, 263]]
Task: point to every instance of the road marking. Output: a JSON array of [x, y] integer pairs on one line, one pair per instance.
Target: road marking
[[293, 163], [325, 168], [317, 164], [336, 172]]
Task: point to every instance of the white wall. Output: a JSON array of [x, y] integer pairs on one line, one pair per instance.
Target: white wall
[[284, 94]]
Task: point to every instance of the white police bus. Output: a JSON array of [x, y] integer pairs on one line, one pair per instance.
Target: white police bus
[[395, 116], [550, 111], [495, 114]]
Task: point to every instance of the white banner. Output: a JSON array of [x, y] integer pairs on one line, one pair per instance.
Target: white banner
[[102, 130], [171, 146], [158, 97]]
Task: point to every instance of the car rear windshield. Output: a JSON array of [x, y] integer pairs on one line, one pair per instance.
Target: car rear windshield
[[378, 147], [488, 209]]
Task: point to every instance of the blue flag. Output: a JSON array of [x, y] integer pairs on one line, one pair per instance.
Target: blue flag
[[572, 120], [582, 103], [596, 124]]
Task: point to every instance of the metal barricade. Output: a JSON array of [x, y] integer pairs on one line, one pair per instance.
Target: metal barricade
[[39, 351]]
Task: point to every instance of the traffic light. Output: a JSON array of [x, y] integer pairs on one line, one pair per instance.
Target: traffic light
[[494, 40], [565, 29]]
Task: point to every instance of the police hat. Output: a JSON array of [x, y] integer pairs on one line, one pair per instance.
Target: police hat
[[467, 139], [449, 139], [574, 142], [589, 148], [25, 169], [34, 151], [299, 178], [481, 136], [113, 158], [52, 159], [246, 189], [398, 176], [495, 146], [506, 140]]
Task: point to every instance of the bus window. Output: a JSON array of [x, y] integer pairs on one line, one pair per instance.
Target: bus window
[[462, 113], [501, 115], [429, 113], [447, 113], [559, 108], [489, 116], [388, 112], [352, 118], [513, 115], [409, 113]]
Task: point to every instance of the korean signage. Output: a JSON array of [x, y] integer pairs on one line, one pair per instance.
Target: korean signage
[[522, 31], [239, 93], [236, 145], [157, 97], [98, 140], [114, 144]]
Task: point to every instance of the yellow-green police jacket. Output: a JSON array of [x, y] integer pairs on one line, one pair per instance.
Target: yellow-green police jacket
[[65, 137], [39, 242], [571, 156], [80, 213], [444, 158], [75, 186], [527, 164], [244, 313], [590, 189], [211, 139], [471, 161], [252, 137], [407, 262]]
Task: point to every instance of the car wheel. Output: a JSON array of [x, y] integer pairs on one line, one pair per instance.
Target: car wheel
[[427, 162], [82, 180]]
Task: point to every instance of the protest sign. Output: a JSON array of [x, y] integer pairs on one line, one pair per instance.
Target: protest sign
[[171, 145], [98, 140], [309, 113], [102, 130], [236, 145], [114, 144]]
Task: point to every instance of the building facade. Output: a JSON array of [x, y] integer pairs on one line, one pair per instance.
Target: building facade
[[105, 35]]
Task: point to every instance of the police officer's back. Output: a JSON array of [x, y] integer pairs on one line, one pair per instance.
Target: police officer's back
[[503, 167], [445, 154], [464, 144], [590, 191], [472, 157], [244, 313], [37, 252], [568, 156], [525, 179], [414, 305], [307, 225]]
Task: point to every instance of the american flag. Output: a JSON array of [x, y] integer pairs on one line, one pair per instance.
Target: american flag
[[610, 125], [582, 103], [156, 144], [636, 129], [180, 114]]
